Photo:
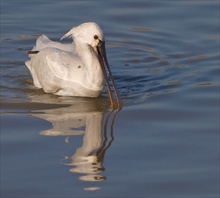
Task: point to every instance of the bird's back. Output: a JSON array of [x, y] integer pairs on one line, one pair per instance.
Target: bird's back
[[44, 42]]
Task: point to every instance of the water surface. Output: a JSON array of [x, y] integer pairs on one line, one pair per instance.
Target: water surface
[[164, 56]]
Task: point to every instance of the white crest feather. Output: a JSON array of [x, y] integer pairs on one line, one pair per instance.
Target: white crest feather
[[68, 34]]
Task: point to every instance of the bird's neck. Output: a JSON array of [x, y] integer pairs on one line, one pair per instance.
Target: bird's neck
[[90, 60]]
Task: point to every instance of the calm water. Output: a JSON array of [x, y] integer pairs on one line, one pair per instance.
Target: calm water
[[165, 141]]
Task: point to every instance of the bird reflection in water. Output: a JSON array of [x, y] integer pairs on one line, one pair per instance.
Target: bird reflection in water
[[89, 117], [88, 159]]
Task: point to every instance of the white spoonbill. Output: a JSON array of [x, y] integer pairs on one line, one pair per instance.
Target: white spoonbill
[[75, 69]]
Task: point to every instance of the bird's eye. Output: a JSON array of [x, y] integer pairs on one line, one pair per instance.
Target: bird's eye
[[96, 37]]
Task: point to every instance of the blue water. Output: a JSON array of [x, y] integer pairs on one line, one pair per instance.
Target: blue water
[[164, 56]]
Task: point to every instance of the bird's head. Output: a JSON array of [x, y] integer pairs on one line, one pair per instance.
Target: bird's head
[[89, 33]]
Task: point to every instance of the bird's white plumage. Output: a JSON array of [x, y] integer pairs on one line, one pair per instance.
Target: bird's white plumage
[[69, 69]]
